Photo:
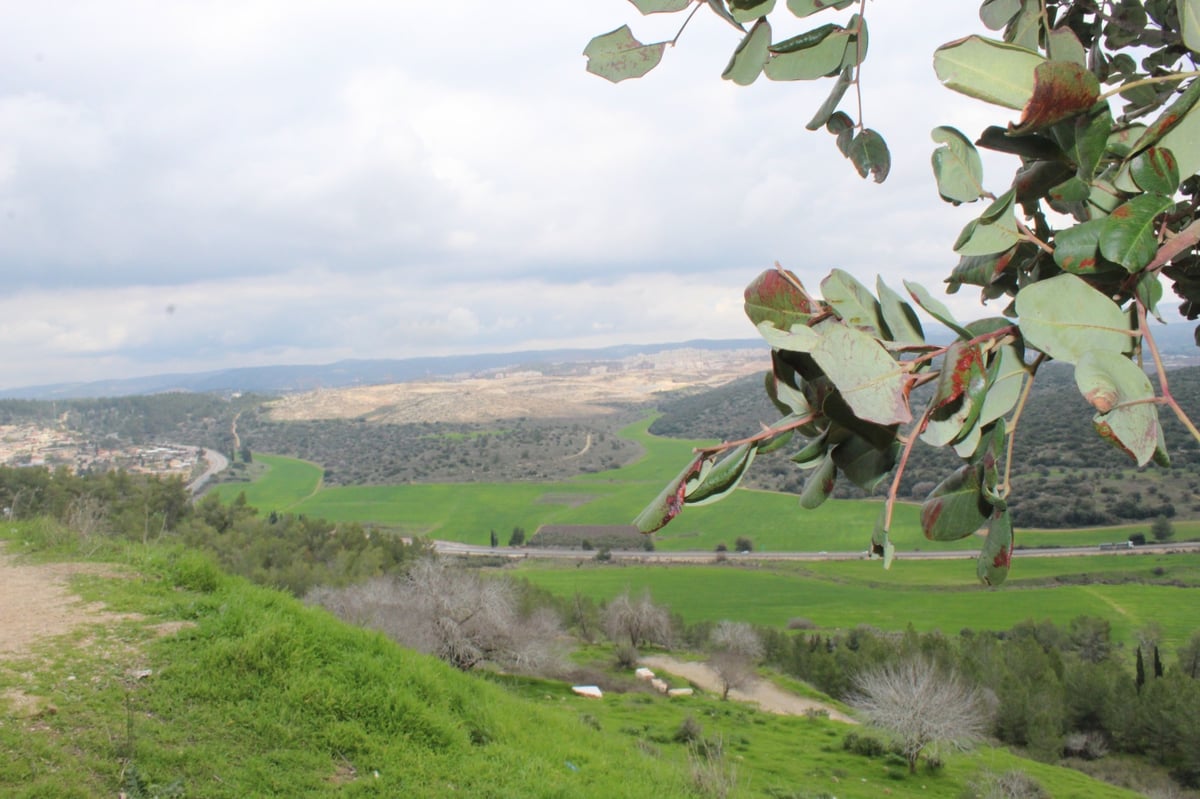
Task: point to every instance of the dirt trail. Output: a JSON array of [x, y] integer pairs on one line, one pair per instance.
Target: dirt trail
[[35, 602], [766, 695]]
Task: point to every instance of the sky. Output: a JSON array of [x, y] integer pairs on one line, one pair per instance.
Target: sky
[[190, 186]]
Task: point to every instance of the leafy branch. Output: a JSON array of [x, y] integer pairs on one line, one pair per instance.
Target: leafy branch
[[1100, 210]]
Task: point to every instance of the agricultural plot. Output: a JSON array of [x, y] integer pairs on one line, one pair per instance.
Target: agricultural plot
[[468, 512], [930, 595]]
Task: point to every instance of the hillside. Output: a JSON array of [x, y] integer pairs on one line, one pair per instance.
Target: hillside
[[1064, 474]]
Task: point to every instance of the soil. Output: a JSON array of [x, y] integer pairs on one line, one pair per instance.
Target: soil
[[36, 603], [766, 695]]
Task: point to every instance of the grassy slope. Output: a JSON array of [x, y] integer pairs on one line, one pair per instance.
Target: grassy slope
[[931, 595], [264, 697]]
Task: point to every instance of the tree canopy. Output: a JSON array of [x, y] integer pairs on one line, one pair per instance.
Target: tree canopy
[[1099, 213]]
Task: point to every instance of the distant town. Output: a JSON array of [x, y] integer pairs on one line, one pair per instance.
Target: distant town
[[34, 445]]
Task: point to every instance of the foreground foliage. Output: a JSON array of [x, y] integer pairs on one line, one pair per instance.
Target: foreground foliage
[[1101, 206]]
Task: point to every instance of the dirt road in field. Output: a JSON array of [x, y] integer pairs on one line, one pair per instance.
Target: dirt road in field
[[766, 695]]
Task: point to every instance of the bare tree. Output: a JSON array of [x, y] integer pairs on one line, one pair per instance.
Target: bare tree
[[736, 650], [921, 704], [639, 621], [457, 615]]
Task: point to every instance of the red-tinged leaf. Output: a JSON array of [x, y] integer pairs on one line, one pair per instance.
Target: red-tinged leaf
[[1169, 118], [777, 296], [1061, 89], [956, 508], [668, 504], [995, 557], [1122, 394], [1155, 170], [958, 398]]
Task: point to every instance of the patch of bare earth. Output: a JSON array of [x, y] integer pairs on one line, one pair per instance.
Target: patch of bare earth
[[522, 394], [36, 602], [766, 695]]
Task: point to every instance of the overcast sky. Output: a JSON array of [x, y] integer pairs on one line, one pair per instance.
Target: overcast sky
[[192, 186]]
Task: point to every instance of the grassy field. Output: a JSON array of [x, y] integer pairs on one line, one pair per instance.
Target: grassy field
[[931, 595], [209, 686], [468, 512]]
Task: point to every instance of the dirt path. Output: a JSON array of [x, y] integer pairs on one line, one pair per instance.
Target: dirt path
[[35, 602], [766, 695]]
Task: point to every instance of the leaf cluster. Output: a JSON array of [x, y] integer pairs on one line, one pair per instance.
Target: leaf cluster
[[1101, 205]]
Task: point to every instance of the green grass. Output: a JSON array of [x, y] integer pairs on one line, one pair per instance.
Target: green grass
[[469, 511], [931, 595]]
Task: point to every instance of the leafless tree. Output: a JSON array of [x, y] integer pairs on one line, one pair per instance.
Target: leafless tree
[[638, 621], [921, 704], [736, 649], [457, 615]]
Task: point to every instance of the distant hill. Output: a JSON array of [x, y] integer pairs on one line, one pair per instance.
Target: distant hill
[[287, 379]]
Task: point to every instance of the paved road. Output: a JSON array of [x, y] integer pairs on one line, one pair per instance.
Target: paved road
[[696, 556], [216, 463]]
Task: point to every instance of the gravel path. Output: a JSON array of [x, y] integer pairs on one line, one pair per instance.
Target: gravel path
[[767, 695]]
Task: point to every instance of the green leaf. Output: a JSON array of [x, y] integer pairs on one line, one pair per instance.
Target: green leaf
[[617, 55], [1076, 249], [856, 47], [787, 398], [988, 70], [1168, 120], [1064, 45], [956, 508], [1006, 378], [722, 478], [934, 307], [777, 296], [995, 557], [994, 231], [1064, 317], [1155, 170], [956, 166], [1085, 141], [797, 338], [995, 14], [806, 40], [1128, 234], [819, 484], [865, 465], [903, 326], [1024, 29], [852, 302], [1033, 146], [1110, 382], [804, 8], [747, 10], [1149, 292], [747, 62], [1189, 23], [718, 7], [845, 79], [870, 381], [810, 62], [811, 454], [660, 6], [1061, 89], [870, 156], [667, 505]]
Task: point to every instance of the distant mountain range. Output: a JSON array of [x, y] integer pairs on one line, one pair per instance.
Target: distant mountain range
[[287, 379], [1176, 341]]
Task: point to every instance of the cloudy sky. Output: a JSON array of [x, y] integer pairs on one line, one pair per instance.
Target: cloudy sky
[[197, 185]]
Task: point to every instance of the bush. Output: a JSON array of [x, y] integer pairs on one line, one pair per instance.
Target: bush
[[865, 745], [603, 555], [743, 544], [1013, 784], [722, 547], [801, 623], [627, 656], [689, 731]]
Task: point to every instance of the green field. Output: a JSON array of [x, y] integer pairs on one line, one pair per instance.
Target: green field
[[468, 512], [931, 595]]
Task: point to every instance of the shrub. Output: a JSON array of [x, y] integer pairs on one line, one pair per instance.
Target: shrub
[[801, 623], [1012, 784], [689, 731], [865, 745], [627, 656], [743, 544]]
